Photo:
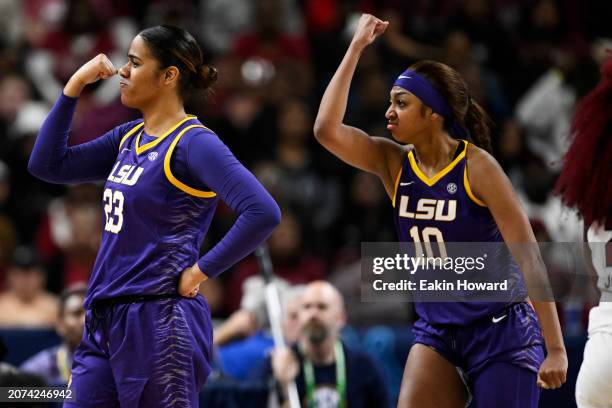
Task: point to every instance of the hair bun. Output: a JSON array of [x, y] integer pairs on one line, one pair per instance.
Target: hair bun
[[206, 77]]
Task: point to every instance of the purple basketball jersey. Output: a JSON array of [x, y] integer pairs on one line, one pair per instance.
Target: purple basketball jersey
[[153, 222], [443, 209]]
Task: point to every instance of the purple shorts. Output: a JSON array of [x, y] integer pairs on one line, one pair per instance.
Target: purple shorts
[[510, 342], [154, 353]]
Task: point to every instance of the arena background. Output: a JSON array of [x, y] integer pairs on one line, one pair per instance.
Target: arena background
[[526, 61]]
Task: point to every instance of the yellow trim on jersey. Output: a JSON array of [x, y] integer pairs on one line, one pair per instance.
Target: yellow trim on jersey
[[431, 181], [178, 184], [153, 143], [128, 134], [468, 189], [397, 179]]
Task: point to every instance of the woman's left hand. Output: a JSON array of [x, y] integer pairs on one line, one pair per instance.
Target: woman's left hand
[[189, 281], [553, 370]]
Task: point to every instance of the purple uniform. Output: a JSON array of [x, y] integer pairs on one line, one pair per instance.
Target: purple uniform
[[481, 338], [147, 243], [144, 345]]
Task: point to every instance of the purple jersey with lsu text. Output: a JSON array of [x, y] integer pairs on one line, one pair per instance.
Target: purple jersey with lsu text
[[153, 222], [444, 208]]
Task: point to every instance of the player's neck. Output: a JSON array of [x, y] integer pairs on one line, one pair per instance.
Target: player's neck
[[161, 114], [320, 354], [435, 152]]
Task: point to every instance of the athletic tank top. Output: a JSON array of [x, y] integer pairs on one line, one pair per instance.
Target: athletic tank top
[[443, 209]]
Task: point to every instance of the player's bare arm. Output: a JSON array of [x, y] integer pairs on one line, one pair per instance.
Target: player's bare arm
[[355, 147], [492, 186]]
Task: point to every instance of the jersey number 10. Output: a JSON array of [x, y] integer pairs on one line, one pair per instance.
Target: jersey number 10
[[113, 210], [428, 233]]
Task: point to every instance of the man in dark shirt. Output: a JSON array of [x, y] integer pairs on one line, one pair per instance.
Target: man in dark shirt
[[54, 363], [326, 371]]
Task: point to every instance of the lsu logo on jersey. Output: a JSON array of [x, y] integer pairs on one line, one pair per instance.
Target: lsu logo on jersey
[[127, 174], [429, 209]]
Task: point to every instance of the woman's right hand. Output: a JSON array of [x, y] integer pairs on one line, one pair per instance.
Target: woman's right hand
[[368, 28], [99, 67]]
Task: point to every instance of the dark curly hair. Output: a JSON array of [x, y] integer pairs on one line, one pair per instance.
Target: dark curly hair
[[584, 182]]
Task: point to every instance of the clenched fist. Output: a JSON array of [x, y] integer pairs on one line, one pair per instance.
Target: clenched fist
[[553, 372], [368, 28], [99, 67]]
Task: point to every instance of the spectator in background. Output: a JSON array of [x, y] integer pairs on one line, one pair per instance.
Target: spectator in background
[[10, 376], [54, 363], [14, 93], [11, 20], [404, 45], [223, 21], [326, 371], [25, 303], [366, 220], [541, 33], [291, 260], [29, 196], [299, 184], [83, 32], [372, 86], [244, 339], [253, 313], [347, 279], [511, 152], [460, 53], [545, 111], [68, 237], [480, 21], [270, 59]]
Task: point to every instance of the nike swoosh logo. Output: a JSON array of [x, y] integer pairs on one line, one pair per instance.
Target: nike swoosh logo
[[498, 319], [406, 184], [124, 149], [404, 77]]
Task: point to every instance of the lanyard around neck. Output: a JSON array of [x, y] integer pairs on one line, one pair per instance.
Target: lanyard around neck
[[63, 364], [309, 377]]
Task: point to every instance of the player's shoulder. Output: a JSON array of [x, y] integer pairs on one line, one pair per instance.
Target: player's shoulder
[[392, 146], [197, 133], [196, 129], [479, 160], [124, 128], [199, 140]]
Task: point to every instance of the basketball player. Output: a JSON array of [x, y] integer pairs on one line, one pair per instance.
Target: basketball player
[[584, 183], [499, 346], [148, 336]]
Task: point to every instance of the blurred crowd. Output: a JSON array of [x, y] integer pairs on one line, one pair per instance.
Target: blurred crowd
[[526, 61]]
